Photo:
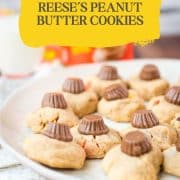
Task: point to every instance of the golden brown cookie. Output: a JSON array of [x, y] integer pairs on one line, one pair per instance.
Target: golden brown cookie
[[136, 158], [118, 103], [171, 160], [94, 136], [145, 121], [106, 76], [55, 148], [148, 83], [54, 108], [176, 122], [82, 100], [165, 107]]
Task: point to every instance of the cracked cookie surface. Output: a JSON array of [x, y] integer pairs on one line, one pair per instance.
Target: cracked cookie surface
[[163, 136], [98, 85], [96, 146], [38, 119], [176, 122], [148, 89], [121, 110], [83, 103], [164, 110]]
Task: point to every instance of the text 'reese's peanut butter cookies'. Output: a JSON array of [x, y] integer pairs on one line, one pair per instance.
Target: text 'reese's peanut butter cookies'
[[54, 108], [119, 104], [94, 136], [148, 83], [55, 148], [165, 107], [107, 76], [162, 135], [172, 160], [83, 101], [135, 159]]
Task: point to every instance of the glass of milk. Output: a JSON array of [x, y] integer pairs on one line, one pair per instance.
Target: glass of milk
[[16, 59]]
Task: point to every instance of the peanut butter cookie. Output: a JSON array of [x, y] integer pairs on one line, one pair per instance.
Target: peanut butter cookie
[[118, 103], [55, 148], [94, 136], [148, 83]]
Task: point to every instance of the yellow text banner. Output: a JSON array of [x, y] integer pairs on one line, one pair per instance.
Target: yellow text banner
[[90, 23]]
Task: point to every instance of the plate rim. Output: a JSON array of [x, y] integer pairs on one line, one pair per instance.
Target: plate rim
[[36, 166]]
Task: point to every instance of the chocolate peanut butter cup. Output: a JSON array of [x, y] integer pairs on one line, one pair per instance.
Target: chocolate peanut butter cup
[[178, 145], [58, 131], [92, 125], [135, 144], [173, 95], [54, 100], [115, 91], [149, 72], [144, 119], [108, 73], [73, 85]]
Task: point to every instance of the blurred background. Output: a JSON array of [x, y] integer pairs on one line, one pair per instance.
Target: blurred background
[[18, 60], [169, 44]]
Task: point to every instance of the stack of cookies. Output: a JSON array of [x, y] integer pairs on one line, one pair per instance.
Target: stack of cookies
[[70, 125]]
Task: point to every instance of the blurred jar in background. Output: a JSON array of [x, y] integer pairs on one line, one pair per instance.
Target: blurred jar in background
[[9, 5], [16, 59], [113, 53], [77, 55]]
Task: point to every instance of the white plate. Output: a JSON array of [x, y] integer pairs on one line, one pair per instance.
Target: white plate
[[13, 128]]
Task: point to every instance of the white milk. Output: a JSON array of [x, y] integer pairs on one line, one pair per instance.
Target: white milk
[[15, 57]]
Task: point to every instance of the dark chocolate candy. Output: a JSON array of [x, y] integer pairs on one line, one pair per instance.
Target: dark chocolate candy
[[73, 85], [149, 72], [144, 119], [108, 73], [58, 131], [54, 100], [135, 144], [115, 91], [173, 95], [92, 125]]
